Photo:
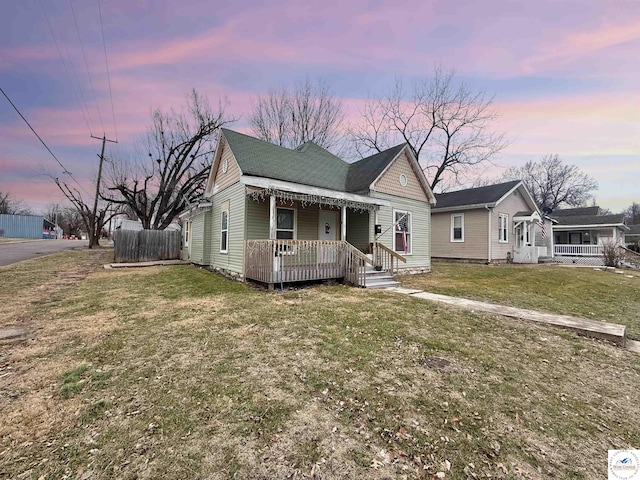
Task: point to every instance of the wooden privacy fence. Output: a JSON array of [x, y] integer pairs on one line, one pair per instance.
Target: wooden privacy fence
[[146, 245]]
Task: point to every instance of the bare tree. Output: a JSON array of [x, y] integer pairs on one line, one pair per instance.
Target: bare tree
[[445, 124], [632, 214], [291, 117], [13, 206], [67, 218], [93, 220], [180, 146], [554, 184]]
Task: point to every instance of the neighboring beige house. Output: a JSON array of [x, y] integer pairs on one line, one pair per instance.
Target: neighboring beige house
[[494, 223], [275, 215]]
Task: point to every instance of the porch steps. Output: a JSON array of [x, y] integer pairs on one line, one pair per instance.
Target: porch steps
[[379, 279]]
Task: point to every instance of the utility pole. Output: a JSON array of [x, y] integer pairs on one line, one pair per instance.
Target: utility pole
[[95, 201]]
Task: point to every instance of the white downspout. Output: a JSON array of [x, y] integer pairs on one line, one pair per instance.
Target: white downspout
[[489, 233]]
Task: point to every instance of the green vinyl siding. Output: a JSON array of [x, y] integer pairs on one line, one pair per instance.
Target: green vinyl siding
[[358, 229], [232, 261], [257, 219], [421, 226], [307, 219], [197, 238]]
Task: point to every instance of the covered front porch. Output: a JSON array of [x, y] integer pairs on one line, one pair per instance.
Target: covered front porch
[[583, 245], [524, 248], [297, 233]]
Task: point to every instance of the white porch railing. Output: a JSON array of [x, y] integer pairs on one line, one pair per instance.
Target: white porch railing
[[578, 250], [275, 261]]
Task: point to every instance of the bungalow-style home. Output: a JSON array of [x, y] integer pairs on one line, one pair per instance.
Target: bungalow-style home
[[277, 215], [579, 234], [494, 223]]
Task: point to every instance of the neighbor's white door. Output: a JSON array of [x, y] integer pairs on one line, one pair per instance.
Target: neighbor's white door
[[328, 225]]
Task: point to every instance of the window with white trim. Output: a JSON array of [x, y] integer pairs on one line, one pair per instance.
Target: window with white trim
[[503, 228], [224, 231], [402, 232], [187, 225], [286, 224], [457, 227]]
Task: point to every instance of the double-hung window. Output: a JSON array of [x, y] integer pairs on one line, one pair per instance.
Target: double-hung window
[[286, 224], [503, 228], [457, 227], [402, 237], [224, 231]]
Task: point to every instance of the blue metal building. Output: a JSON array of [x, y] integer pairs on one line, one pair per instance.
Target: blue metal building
[[22, 226]]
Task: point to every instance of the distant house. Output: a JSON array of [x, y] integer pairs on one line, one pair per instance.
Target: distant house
[[27, 226], [494, 223], [632, 237], [275, 215], [580, 233]]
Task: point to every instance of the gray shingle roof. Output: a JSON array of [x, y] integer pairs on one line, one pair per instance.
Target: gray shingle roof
[[362, 173], [474, 196], [309, 164], [571, 212], [591, 220]]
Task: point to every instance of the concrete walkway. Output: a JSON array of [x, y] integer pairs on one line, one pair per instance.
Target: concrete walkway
[[591, 328], [147, 264]]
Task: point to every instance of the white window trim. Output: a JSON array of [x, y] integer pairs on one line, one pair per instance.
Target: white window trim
[[224, 230], [506, 228], [187, 232], [457, 240], [410, 232], [295, 222]]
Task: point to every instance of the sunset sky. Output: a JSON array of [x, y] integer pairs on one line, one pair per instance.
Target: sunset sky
[[564, 73]]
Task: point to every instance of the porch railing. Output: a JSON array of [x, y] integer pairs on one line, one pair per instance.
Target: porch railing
[[386, 258], [578, 250], [276, 261]]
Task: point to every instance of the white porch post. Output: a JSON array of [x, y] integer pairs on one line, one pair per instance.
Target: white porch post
[[273, 220], [343, 223], [615, 234]]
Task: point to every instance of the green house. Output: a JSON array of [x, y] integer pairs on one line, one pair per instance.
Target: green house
[[273, 215]]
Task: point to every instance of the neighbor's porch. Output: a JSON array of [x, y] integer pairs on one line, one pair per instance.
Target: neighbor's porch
[[583, 245]]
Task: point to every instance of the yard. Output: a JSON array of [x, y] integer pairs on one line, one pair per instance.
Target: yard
[[173, 372], [582, 292]]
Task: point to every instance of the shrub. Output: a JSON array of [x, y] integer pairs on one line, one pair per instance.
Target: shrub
[[611, 253]]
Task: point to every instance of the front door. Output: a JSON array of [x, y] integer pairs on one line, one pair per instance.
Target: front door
[[328, 230], [327, 225]]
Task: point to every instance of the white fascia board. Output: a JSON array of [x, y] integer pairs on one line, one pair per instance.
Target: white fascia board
[[463, 207], [535, 216], [598, 225], [262, 182], [214, 166]]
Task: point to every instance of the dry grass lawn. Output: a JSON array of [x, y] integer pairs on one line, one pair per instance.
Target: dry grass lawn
[[173, 372], [582, 292]]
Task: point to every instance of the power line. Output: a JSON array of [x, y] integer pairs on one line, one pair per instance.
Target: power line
[[86, 63], [64, 169], [106, 61], [74, 86]]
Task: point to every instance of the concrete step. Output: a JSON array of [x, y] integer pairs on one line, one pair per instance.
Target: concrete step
[[377, 274], [374, 284]]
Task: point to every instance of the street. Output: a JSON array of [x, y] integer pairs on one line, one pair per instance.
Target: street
[[17, 252]]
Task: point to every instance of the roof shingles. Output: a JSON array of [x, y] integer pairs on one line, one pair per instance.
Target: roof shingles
[[309, 164], [474, 196]]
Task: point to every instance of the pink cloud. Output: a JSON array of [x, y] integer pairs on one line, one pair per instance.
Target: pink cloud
[[605, 123]]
